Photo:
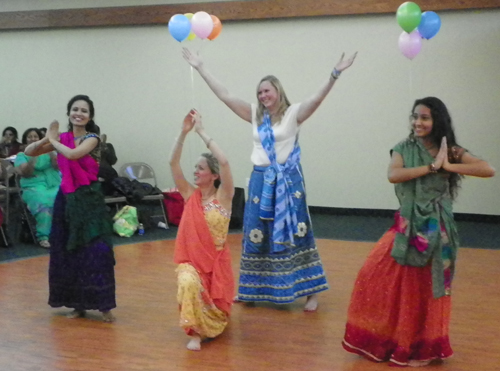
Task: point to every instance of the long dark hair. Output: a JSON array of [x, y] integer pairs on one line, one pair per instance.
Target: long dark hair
[[91, 125], [442, 126], [441, 121], [26, 133], [11, 129]]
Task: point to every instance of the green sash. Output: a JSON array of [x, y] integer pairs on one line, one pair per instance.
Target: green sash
[[426, 207]]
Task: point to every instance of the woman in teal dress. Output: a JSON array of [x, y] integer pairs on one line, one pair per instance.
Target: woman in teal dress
[[40, 181]]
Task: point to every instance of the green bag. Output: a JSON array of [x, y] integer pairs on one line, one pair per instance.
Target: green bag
[[125, 221]]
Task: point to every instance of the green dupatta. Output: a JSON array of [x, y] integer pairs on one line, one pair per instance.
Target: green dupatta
[[426, 209]]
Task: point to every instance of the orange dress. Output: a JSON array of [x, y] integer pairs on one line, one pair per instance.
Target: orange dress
[[204, 275], [393, 315]]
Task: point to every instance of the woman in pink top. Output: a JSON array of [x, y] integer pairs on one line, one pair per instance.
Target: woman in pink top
[[81, 270]]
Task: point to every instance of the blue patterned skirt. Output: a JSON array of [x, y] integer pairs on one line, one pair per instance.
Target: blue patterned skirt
[[84, 277], [285, 276]]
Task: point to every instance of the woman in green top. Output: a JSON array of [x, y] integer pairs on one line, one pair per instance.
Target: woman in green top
[[400, 306], [40, 181]]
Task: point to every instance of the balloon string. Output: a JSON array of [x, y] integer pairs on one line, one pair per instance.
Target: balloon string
[[203, 41], [411, 81], [192, 87], [189, 145]]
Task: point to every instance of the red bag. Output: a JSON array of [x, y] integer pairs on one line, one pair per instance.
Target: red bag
[[174, 204]]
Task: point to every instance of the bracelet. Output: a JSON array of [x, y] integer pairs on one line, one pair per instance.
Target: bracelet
[[432, 168], [208, 143], [335, 74], [179, 142]]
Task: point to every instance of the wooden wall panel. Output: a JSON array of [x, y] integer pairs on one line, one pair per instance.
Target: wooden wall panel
[[226, 11]]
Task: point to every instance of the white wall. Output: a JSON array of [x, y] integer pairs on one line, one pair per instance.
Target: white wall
[[142, 88]]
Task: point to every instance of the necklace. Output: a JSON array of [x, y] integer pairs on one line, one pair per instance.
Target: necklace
[[204, 199], [81, 136]]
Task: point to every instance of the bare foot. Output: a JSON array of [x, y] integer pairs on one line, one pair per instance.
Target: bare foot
[[108, 317], [75, 313], [247, 303], [311, 303], [194, 343], [415, 363]]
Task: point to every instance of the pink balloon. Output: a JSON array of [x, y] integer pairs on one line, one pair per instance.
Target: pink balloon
[[202, 24], [410, 44]]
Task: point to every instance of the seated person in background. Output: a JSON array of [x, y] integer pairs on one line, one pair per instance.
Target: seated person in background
[[9, 145], [106, 171], [43, 131], [40, 181]]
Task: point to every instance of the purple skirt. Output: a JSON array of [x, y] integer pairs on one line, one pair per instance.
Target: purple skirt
[[83, 278]]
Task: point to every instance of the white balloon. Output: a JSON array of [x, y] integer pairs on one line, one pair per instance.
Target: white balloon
[[202, 24]]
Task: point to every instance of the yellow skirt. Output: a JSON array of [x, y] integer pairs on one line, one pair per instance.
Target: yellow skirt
[[198, 313]]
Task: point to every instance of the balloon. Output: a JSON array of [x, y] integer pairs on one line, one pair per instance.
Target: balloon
[[217, 28], [410, 44], [408, 16], [179, 27], [191, 35], [202, 24], [429, 25]]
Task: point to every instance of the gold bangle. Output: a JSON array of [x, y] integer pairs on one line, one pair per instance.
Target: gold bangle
[[432, 168], [208, 143]]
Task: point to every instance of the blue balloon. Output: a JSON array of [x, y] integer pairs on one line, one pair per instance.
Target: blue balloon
[[179, 27], [429, 25]]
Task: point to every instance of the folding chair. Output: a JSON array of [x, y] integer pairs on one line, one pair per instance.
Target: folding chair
[[143, 172], [26, 215], [116, 200], [6, 171]]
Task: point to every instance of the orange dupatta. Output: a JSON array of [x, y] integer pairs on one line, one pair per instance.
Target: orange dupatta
[[195, 245]]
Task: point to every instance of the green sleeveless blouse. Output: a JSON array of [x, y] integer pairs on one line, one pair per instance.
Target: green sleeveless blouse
[[426, 222]]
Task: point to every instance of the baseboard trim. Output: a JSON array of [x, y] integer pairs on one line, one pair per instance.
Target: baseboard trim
[[384, 213]]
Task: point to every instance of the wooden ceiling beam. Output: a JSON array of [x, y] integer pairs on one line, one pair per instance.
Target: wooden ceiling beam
[[226, 11]]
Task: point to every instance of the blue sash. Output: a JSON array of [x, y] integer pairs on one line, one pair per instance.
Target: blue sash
[[276, 201]]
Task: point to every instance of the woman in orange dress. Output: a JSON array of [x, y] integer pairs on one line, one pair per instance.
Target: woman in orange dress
[[204, 275], [400, 306]]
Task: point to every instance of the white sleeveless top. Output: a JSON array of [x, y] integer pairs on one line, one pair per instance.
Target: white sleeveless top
[[285, 133]]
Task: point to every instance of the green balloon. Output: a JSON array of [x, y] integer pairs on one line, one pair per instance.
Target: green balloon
[[409, 16]]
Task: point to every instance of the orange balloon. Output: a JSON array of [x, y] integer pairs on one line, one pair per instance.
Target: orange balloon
[[217, 28]]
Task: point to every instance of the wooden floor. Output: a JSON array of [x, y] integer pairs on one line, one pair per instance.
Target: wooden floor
[[146, 336]]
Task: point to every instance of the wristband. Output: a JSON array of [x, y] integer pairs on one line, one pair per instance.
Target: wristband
[[335, 74]]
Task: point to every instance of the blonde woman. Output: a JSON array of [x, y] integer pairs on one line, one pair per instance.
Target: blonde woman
[[280, 261], [204, 275]]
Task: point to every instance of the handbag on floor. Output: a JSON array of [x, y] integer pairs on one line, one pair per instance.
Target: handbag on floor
[[125, 221], [174, 205]]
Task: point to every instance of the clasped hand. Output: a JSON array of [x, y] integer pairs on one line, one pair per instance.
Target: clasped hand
[[442, 156], [53, 132], [192, 120]]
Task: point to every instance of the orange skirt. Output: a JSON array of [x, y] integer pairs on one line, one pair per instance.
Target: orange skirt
[[393, 315]]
